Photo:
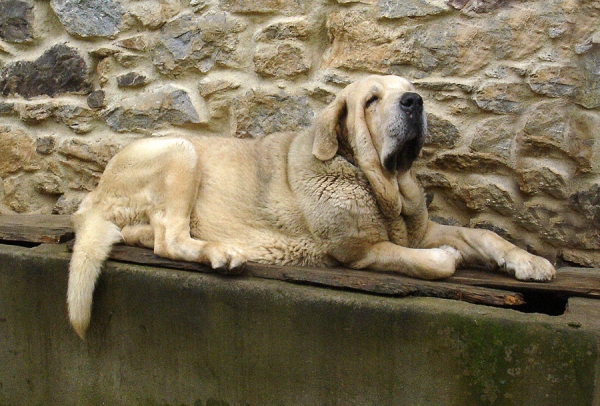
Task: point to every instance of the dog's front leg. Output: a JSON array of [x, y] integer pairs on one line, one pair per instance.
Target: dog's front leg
[[433, 263], [484, 248]]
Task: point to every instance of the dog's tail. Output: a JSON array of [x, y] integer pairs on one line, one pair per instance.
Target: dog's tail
[[93, 241]]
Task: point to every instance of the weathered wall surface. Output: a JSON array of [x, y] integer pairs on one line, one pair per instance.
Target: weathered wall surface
[[164, 337], [512, 89]]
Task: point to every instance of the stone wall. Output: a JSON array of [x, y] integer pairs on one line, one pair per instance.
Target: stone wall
[[512, 90]]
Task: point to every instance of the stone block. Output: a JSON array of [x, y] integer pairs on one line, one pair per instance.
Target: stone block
[[490, 194], [588, 258], [135, 43], [80, 120], [258, 113], [549, 177], [132, 79], [18, 151], [281, 60], [441, 133], [502, 98], [475, 6], [68, 203], [96, 99], [47, 183], [587, 202], [20, 195], [412, 8], [45, 145], [153, 110], [589, 92], [7, 109], [565, 127], [298, 28], [358, 42], [90, 18], [190, 43], [467, 161], [35, 113], [494, 136], [16, 21], [555, 81], [209, 87], [82, 162], [60, 70], [285, 7]]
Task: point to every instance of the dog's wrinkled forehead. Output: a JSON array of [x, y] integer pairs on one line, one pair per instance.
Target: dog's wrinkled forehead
[[384, 84]]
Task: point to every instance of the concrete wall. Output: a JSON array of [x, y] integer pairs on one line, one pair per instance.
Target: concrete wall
[[512, 89], [162, 337]]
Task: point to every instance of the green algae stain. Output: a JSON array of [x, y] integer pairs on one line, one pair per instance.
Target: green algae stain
[[515, 365]]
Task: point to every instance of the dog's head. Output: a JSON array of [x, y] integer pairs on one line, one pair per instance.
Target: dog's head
[[380, 117]]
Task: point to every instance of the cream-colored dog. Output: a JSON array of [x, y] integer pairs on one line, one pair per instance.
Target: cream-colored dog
[[340, 193]]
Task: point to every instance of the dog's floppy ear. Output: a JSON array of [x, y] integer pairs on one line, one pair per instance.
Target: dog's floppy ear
[[326, 127]]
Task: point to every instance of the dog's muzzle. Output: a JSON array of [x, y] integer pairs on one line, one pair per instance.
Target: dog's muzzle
[[411, 135]]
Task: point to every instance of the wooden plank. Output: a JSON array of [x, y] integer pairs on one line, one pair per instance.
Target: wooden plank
[[584, 282], [570, 281], [48, 229], [364, 281]]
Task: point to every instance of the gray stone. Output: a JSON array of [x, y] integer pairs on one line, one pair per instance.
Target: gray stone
[[589, 93], [7, 109], [45, 145], [79, 119], [59, 70], [494, 136], [132, 79], [410, 8], [562, 126], [258, 113], [587, 202], [90, 18], [476, 6], [286, 7], [502, 98], [153, 110], [555, 81], [441, 133], [96, 99], [67, 203], [16, 20], [197, 43]]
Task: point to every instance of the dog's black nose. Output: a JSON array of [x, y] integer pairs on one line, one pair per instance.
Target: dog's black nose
[[411, 102]]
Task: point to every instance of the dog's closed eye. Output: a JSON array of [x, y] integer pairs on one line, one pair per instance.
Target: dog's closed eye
[[373, 99]]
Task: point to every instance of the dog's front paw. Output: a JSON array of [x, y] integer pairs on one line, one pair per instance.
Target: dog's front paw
[[527, 267], [225, 258]]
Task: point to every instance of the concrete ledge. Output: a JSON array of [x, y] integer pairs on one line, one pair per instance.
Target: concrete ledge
[[164, 337]]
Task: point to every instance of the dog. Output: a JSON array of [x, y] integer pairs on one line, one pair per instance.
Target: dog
[[341, 193]]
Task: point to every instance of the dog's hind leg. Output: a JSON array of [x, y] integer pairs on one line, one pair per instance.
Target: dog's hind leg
[[141, 235], [170, 220]]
